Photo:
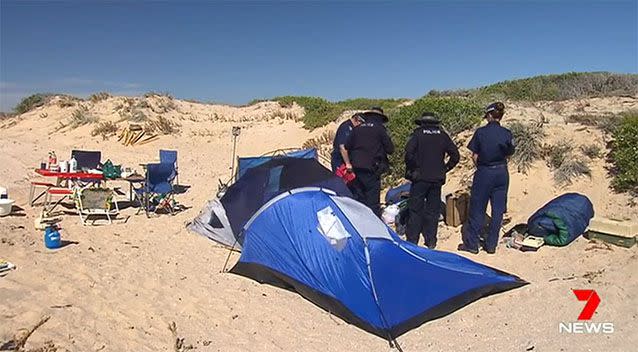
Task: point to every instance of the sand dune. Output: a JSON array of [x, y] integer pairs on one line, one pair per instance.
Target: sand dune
[[120, 286]]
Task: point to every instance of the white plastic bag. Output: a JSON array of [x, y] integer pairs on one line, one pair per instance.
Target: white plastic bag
[[389, 214], [332, 228]]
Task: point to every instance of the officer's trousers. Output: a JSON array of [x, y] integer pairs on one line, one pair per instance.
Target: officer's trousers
[[366, 188], [424, 208], [490, 184]]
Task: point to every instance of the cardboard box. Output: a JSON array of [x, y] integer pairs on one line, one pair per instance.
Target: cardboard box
[[456, 208]]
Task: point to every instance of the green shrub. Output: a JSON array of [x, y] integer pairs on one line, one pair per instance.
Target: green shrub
[[529, 140], [31, 102], [456, 114], [320, 112], [625, 154], [553, 87]]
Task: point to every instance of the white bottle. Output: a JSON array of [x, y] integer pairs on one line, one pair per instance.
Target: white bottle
[[64, 166], [73, 165]]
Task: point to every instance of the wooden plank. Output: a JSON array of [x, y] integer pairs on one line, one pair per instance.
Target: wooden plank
[[135, 127], [136, 139], [149, 139]]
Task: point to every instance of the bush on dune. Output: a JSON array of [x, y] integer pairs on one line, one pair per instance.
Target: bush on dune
[[624, 154], [529, 138], [571, 85], [31, 102], [320, 112]]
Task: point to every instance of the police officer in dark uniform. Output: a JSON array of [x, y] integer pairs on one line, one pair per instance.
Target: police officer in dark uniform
[[425, 166], [491, 145], [339, 154], [368, 148]]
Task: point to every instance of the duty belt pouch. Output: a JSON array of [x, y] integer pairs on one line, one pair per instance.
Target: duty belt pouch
[[380, 167]]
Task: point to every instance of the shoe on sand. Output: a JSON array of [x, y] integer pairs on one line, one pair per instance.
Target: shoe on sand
[[462, 247]]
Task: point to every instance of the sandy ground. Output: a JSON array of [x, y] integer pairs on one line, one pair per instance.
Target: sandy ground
[[118, 287]]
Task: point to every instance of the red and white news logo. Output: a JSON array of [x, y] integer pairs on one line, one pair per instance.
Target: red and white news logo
[[584, 326]]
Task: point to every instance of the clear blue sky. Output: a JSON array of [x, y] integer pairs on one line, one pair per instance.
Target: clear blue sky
[[236, 51]]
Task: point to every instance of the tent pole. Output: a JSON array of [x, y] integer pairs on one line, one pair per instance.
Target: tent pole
[[230, 251], [232, 161], [395, 344]]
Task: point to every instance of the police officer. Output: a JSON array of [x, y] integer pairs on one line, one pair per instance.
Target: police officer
[[339, 154], [368, 148], [491, 145], [425, 166]]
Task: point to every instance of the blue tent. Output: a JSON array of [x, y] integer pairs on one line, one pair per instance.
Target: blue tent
[[246, 163], [336, 253], [222, 219]]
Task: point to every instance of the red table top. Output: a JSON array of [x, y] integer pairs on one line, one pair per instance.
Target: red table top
[[69, 175]]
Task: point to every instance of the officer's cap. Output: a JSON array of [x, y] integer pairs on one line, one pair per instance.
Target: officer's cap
[[374, 112], [427, 118], [497, 106]]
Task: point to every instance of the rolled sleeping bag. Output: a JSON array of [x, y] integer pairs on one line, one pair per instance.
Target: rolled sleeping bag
[[562, 220]]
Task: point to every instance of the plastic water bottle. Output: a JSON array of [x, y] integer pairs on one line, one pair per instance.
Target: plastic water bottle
[[73, 165], [52, 238]]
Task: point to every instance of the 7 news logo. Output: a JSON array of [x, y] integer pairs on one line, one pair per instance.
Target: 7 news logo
[[584, 326]]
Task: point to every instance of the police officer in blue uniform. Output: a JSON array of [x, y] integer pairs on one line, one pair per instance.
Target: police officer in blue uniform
[[368, 148], [339, 154], [425, 166], [491, 146]]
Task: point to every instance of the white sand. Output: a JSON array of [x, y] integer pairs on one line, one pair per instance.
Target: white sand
[[120, 286]]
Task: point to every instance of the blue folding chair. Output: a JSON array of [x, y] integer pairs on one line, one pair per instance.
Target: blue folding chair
[[170, 157], [157, 191]]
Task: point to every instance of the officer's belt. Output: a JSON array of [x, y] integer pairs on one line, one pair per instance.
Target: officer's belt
[[497, 166]]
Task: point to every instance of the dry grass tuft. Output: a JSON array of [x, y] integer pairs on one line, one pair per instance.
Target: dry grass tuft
[[20, 340], [565, 163], [162, 126], [179, 345], [98, 97], [81, 117], [66, 101], [528, 139], [571, 168], [105, 129], [592, 151]]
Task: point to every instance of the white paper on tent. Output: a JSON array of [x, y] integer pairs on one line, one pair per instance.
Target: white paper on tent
[[332, 228]]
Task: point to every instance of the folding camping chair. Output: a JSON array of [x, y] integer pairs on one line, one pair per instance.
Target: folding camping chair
[[170, 157], [157, 191], [96, 201], [50, 192], [87, 160], [34, 185]]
